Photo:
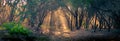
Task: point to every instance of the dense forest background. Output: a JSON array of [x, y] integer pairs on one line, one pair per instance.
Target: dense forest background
[[59, 17]]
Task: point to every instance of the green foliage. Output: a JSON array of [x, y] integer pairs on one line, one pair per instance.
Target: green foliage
[[78, 3], [16, 28]]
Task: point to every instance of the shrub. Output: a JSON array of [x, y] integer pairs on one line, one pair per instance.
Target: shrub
[[17, 31], [16, 28]]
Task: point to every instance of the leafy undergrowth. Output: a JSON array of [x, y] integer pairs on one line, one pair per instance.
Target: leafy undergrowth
[[16, 32]]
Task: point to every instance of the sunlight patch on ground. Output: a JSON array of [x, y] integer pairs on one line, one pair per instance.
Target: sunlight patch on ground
[[57, 33], [66, 35]]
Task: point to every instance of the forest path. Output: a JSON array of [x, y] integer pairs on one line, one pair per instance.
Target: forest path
[[88, 35]]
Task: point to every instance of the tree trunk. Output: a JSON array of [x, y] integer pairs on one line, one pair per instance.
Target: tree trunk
[[11, 14]]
